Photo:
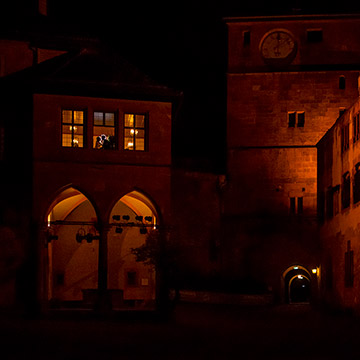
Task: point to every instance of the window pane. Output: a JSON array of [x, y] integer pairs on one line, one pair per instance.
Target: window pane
[[292, 119], [139, 144], [78, 117], [109, 119], [67, 129], [67, 116], [78, 130], [140, 121], [103, 137], [301, 119], [129, 120], [140, 134], [78, 141], [98, 118], [128, 143], [67, 140]]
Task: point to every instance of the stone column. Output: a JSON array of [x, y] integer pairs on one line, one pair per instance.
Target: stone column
[[104, 302]]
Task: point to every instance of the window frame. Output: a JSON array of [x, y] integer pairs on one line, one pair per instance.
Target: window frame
[[115, 127], [296, 119], [73, 124], [314, 36], [134, 127]]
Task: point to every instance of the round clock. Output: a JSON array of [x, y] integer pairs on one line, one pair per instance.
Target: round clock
[[278, 47]]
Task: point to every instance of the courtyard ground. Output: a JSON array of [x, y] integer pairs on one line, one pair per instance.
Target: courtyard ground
[[196, 331]]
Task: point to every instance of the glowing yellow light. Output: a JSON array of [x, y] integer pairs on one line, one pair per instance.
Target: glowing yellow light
[[314, 271], [130, 144], [300, 277], [49, 220]]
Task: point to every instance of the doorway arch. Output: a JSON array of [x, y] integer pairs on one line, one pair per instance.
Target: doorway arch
[[131, 283], [296, 281], [73, 248]]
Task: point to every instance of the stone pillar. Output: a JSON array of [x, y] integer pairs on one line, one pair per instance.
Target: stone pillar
[[104, 302]]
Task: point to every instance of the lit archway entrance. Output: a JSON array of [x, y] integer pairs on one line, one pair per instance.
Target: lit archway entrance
[[299, 289], [297, 285], [73, 249], [131, 283]]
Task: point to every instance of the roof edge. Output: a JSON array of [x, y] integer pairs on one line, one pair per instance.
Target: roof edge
[[233, 19]]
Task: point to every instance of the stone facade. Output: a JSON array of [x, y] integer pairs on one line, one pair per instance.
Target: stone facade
[[278, 108], [338, 156]]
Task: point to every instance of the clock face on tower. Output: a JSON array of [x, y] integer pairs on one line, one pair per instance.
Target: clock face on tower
[[278, 47]]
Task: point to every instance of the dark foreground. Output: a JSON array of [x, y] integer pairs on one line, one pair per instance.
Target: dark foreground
[[196, 332]]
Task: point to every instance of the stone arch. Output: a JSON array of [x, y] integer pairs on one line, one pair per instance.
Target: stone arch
[[131, 219], [293, 279], [72, 239]]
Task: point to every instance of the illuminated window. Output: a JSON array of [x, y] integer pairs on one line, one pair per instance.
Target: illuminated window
[[349, 266], [134, 132], [345, 191], [104, 130], [296, 118], [72, 128], [356, 127]]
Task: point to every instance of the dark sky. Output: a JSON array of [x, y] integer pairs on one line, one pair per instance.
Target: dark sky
[[181, 44]]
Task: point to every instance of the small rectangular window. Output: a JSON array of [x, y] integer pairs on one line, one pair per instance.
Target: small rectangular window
[[345, 138], [134, 132], [246, 37], [314, 35], [356, 185], [72, 128], [329, 203], [131, 278], [356, 127], [296, 118], [301, 119], [342, 82], [104, 130], [345, 191], [292, 206], [300, 205], [292, 119]]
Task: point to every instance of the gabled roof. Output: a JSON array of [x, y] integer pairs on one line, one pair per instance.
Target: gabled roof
[[90, 72]]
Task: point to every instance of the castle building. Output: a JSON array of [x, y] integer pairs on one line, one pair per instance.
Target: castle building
[[338, 204], [288, 79], [86, 149]]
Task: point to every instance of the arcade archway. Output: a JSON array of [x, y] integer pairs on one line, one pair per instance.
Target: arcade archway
[[297, 285], [72, 249], [131, 283]]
